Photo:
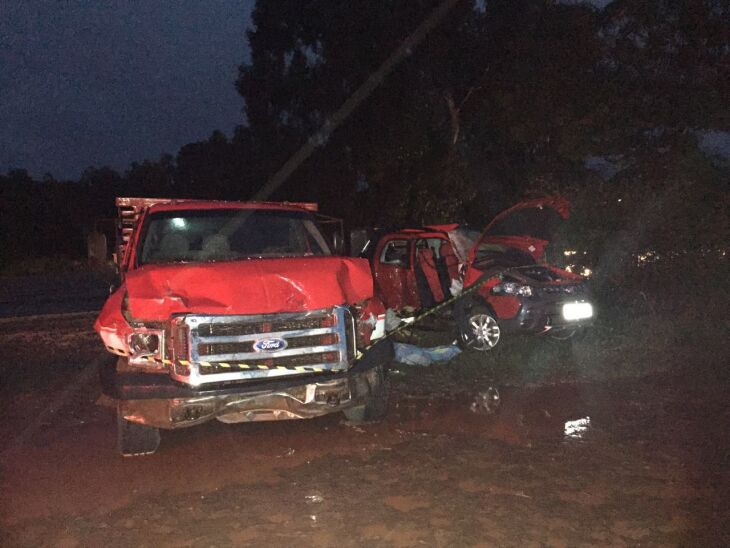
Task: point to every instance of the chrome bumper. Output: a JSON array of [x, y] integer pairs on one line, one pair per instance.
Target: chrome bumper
[[298, 402]]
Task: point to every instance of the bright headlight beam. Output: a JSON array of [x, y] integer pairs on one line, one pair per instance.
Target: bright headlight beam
[[577, 311]]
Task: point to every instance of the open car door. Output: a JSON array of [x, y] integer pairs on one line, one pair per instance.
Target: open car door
[[393, 268]]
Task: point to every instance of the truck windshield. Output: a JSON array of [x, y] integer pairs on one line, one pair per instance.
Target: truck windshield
[[228, 234]]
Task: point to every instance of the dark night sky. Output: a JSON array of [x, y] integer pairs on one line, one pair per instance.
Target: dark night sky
[[108, 83]]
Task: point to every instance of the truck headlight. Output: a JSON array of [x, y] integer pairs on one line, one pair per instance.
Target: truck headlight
[[512, 288], [143, 345]]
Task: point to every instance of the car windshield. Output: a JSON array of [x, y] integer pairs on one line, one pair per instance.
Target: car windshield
[[229, 234]]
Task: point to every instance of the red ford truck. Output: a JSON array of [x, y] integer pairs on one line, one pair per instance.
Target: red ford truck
[[240, 312]]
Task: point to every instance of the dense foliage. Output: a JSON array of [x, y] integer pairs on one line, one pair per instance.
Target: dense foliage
[[502, 99]]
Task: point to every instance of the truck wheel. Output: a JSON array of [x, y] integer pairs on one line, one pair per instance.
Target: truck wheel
[[377, 405], [479, 330], [136, 439]]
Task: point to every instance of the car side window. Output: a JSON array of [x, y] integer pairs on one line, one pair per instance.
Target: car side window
[[395, 252]]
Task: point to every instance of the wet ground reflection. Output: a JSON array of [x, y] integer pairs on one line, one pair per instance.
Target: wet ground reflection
[[577, 429]]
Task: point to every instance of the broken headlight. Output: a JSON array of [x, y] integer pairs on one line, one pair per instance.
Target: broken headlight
[[512, 288], [145, 347]]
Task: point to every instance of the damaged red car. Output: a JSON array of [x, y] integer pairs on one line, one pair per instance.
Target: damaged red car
[[517, 292], [240, 312]]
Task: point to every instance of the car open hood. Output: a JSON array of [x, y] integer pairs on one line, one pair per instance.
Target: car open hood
[[256, 286], [528, 226]]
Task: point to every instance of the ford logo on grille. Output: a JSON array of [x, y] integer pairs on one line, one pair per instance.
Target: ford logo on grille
[[269, 345]]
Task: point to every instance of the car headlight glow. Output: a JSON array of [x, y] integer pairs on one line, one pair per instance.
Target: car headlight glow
[[577, 311]]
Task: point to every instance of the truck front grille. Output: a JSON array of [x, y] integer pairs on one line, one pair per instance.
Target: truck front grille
[[216, 344]]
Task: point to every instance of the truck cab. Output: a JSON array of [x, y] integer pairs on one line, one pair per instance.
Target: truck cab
[[240, 312]]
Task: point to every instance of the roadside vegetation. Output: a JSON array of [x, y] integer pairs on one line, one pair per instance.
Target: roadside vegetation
[[43, 265]]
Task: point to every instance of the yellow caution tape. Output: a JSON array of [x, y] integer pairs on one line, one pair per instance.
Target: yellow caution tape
[[421, 316], [301, 368], [227, 365]]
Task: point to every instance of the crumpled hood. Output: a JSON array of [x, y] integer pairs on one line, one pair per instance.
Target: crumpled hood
[[255, 286]]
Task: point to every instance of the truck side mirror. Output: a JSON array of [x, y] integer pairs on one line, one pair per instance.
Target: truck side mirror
[[358, 238]]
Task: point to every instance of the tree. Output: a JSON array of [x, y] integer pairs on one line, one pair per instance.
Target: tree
[[151, 178]]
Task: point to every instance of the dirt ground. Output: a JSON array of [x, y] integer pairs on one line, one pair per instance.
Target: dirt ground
[[638, 461]]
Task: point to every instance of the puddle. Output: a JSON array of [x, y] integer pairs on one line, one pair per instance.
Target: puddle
[[577, 430], [516, 416]]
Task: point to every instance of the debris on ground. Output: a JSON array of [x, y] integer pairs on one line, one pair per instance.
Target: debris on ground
[[394, 321], [486, 402], [411, 354]]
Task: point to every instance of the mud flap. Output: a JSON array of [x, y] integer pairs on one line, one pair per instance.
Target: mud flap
[[376, 405], [136, 439]]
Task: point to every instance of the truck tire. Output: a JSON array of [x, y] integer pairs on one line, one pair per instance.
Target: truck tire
[[377, 404], [136, 439]]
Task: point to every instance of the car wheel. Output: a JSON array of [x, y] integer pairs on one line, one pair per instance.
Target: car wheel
[[479, 330], [376, 406], [136, 439]]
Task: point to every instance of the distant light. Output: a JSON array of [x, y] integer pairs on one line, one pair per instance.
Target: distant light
[[619, 199], [586, 273], [569, 252], [647, 256], [178, 222]]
